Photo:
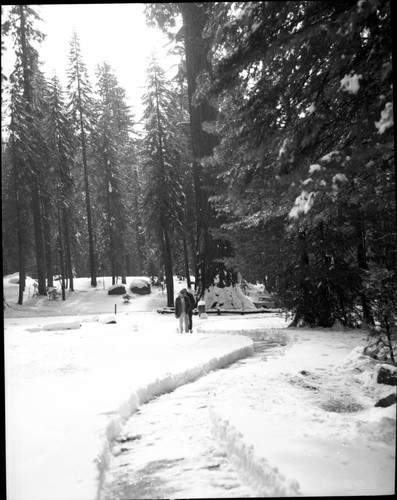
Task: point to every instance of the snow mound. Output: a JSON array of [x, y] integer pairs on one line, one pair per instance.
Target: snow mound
[[108, 319], [140, 285], [382, 430], [75, 325], [140, 282], [117, 289], [13, 279], [228, 297]]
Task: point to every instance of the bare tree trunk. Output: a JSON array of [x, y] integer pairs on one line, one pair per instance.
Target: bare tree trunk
[[69, 265], [362, 263], [186, 259], [61, 258], [38, 236], [303, 311], [20, 226], [169, 277], [47, 243]]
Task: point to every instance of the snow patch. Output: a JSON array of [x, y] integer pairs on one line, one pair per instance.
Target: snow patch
[[329, 157], [75, 325], [303, 203], [314, 168], [312, 109], [386, 118], [350, 83], [283, 148]]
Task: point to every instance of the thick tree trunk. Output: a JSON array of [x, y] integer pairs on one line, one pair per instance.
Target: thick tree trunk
[[304, 308], [169, 276], [69, 264], [196, 48], [38, 236], [47, 243], [186, 260], [192, 250], [362, 263], [61, 257], [325, 314], [20, 228]]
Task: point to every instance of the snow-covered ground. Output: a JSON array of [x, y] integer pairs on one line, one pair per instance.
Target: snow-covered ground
[[301, 423], [306, 422]]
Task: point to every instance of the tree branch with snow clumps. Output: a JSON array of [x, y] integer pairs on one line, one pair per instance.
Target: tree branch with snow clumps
[[303, 203], [350, 83], [386, 118]]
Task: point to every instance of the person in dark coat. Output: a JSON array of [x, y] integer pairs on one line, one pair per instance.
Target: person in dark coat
[[192, 300], [182, 308]]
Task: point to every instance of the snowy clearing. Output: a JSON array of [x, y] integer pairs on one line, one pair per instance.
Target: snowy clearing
[[301, 423]]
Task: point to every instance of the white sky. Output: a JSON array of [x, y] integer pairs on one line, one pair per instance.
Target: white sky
[[116, 33]]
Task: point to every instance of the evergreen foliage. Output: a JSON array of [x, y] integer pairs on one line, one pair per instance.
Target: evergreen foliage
[[81, 108], [62, 146], [111, 152], [163, 197], [27, 144], [211, 251], [308, 89]]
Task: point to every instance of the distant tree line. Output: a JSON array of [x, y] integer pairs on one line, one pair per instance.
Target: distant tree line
[[84, 193], [285, 174]]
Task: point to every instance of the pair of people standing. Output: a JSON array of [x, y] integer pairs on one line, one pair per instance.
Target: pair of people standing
[[184, 305]]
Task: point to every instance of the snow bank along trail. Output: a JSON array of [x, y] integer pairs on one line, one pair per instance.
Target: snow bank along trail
[[310, 426], [70, 391], [167, 450]]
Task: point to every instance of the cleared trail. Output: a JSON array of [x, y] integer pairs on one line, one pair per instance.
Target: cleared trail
[[167, 450]]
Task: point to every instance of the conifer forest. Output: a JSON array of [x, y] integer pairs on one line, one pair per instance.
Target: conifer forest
[[269, 157]]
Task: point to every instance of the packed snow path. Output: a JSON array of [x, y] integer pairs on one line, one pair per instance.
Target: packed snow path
[[167, 450]]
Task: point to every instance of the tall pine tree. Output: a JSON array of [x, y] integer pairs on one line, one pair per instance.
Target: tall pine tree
[[81, 107], [62, 145], [112, 138], [22, 20], [163, 194], [211, 251]]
